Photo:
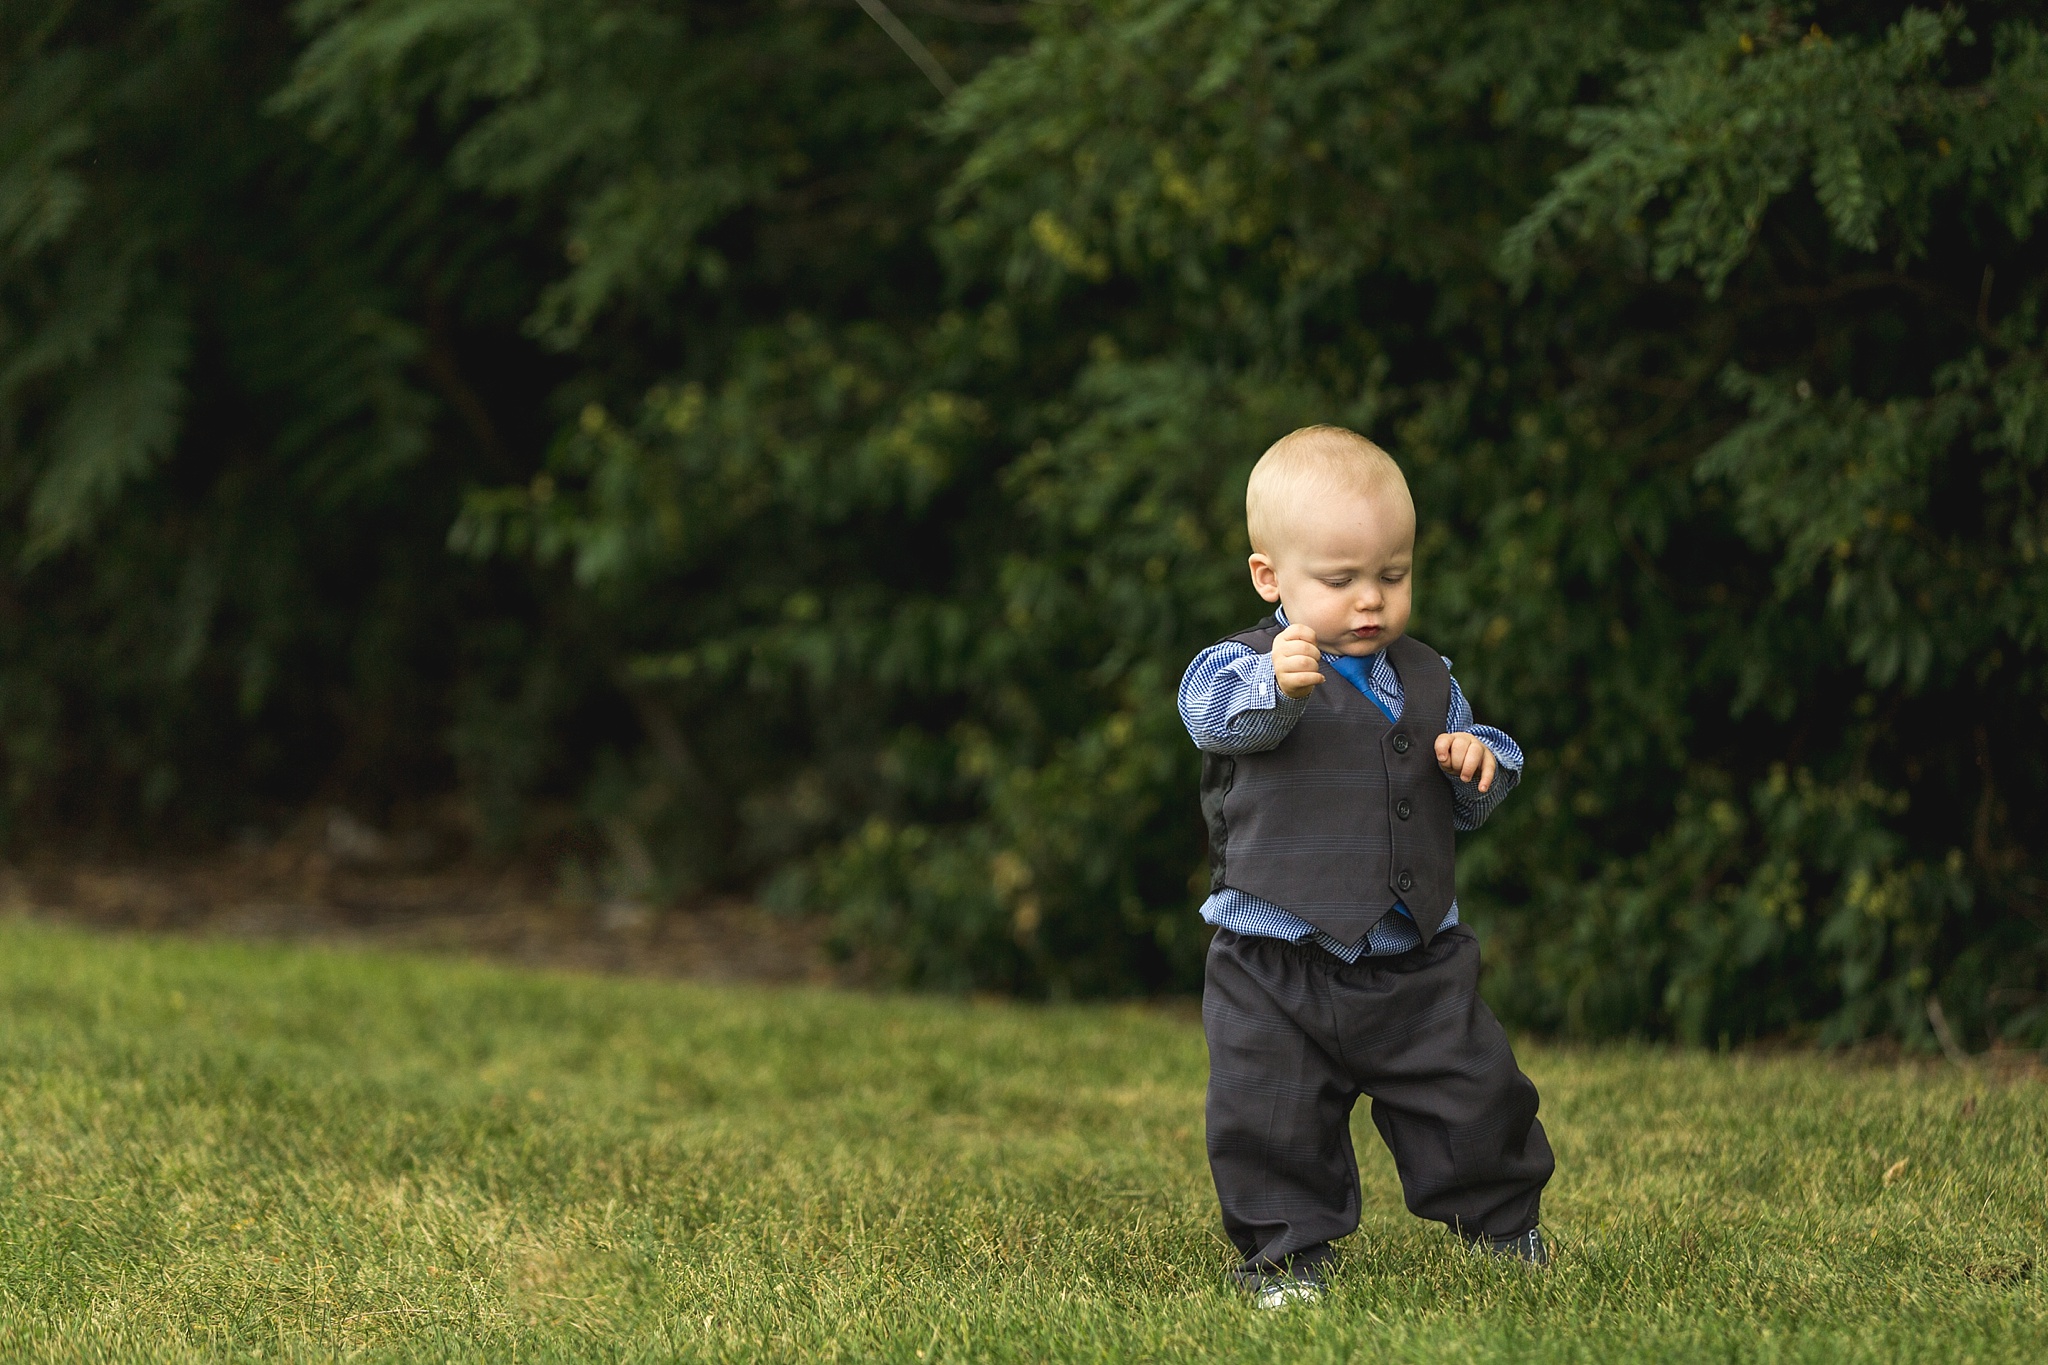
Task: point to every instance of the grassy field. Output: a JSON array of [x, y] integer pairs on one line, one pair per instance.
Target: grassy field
[[226, 1151]]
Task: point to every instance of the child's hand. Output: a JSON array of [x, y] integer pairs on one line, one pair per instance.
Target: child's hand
[[1461, 756], [1297, 663]]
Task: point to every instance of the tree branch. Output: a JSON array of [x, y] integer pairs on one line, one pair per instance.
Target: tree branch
[[912, 48]]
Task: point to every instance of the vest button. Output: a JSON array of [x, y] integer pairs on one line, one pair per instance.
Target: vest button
[[1404, 808], [1400, 743], [1405, 882]]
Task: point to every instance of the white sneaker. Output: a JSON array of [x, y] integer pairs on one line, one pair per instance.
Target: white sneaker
[[1281, 1293]]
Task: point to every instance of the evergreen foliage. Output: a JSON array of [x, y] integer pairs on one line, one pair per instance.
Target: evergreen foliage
[[840, 476]]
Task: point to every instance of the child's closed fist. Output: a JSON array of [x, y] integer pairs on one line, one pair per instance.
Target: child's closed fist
[[1463, 757], [1297, 663]]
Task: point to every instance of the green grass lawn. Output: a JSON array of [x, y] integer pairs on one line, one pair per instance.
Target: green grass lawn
[[218, 1150]]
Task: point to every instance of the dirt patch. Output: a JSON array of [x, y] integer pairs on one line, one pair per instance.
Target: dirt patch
[[336, 879]]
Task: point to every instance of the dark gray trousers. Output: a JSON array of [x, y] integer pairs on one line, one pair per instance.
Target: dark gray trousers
[[1296, 1036]]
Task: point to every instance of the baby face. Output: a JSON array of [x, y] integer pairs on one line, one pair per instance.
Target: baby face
[[1344, 567]]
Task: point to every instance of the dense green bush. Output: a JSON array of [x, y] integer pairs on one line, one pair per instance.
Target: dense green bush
[[839, 476]]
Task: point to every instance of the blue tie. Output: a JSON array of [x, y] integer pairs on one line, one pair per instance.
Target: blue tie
[[1356, 671]]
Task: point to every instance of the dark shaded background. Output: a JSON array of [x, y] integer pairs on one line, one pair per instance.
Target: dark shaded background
[[671, 443]]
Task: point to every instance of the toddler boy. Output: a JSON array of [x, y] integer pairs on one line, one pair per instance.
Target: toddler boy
[[1339, 967]]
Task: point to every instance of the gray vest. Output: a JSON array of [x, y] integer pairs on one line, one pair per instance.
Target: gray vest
[[1349, 813]]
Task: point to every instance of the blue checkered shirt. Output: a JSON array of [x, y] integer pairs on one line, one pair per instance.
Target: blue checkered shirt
[[1232, 704]]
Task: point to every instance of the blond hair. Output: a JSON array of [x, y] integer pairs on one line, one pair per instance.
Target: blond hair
[[1310, 463]]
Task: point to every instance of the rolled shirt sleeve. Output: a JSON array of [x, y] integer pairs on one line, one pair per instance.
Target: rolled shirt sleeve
[[1232, 704], [1469, 805]]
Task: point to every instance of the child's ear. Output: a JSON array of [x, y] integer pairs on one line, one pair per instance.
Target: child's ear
[[1264, 580]]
